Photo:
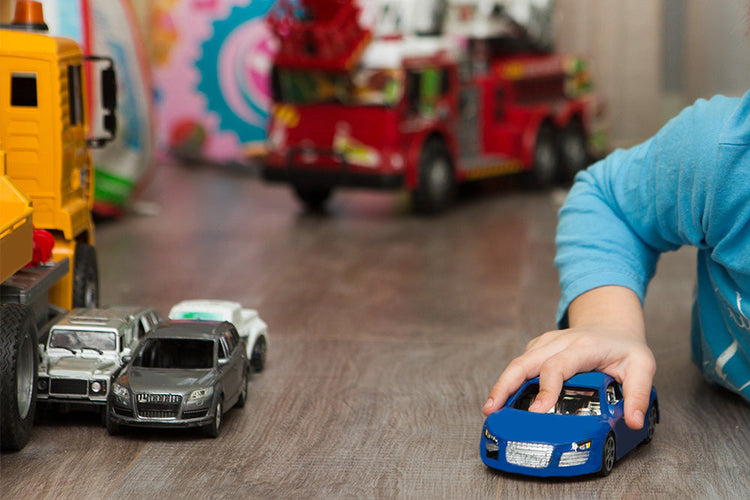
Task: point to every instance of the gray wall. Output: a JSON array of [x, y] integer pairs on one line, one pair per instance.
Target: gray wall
[[650, 58]]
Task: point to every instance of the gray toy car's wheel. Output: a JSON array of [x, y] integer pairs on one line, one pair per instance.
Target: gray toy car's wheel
[[243, 393], [608, 455], [212, 430], [18, 375], [652, 413], [113, 428], [85, 277], [259, 353]]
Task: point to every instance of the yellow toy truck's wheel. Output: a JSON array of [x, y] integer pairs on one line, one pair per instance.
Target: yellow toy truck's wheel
[[18, 375], [85, 277]]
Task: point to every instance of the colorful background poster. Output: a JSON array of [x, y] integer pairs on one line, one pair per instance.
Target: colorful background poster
[[212, 62]]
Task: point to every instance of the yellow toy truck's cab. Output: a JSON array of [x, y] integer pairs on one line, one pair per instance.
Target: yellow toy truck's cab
[[43, 130]]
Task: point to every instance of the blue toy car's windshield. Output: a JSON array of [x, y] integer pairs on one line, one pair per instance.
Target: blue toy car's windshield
[[186, 354], [572, 401]]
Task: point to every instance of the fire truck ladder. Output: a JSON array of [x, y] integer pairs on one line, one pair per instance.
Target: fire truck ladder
[[318, 34]]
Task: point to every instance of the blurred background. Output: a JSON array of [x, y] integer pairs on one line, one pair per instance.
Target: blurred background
[[648, 59]]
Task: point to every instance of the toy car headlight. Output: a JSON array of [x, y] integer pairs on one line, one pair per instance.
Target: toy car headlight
[[120, 391], [200, 394], [582, 446], [490, 436]]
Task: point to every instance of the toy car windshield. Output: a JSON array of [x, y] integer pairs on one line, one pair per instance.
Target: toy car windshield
[[70, 339], [572, 401], [184, 354]]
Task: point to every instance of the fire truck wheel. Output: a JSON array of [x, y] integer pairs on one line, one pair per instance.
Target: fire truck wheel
[[314, 199], [18, 375], [546, 157], [85, 277], [574, 155], [435, 190]]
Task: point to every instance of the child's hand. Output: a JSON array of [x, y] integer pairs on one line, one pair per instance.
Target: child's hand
[[614, 345]]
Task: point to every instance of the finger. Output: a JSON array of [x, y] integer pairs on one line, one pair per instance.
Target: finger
[[553, 373], [519, 371], [636, 390]]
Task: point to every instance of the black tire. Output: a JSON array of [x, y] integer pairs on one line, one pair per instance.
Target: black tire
[[85, 277], [574, 155], [18, 375], [213, 429], [313, 198], [436, 186], [546, 158], [651, 423], [259, 354], [609, 454], [113, 428], [242, 400]]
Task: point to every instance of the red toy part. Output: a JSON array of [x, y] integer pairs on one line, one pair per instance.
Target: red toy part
[[44, 242], [319, 34]]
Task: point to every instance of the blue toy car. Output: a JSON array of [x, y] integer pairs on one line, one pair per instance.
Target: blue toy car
[[584, 433]]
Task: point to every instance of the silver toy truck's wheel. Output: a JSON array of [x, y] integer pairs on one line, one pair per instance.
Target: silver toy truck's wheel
[[258, 355], [85, 277], [18, 375]]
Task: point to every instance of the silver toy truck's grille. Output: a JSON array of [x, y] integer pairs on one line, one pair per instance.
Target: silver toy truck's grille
[[69, 387], [158, 405], [534, 455]]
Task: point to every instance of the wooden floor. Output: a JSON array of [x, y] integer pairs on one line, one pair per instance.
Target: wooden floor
[[387, 331]]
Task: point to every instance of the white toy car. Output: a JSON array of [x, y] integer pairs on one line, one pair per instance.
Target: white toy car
[[253, 330]]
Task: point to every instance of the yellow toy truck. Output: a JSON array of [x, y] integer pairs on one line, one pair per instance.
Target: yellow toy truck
[[47, 257]]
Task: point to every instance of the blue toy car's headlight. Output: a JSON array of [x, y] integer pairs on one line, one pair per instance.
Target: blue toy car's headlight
[[490, 436], [583, 446]]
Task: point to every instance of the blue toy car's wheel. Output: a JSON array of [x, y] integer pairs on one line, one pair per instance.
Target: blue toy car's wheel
[[651, 423], [608, 455]]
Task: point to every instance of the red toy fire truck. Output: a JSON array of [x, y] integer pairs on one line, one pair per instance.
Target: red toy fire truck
[[425, 105]]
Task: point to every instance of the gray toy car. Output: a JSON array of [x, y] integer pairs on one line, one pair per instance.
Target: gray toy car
[[85, 348], [184, 374]]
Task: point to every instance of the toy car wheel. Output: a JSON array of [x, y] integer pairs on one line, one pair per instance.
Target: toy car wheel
[[258, 356], [436, 186], [314, 198], [651, 423], [85, 277], [212, 429], [546, 157], [113, 428], [608, 455], [18, 375], [243, 393], [573, 152]]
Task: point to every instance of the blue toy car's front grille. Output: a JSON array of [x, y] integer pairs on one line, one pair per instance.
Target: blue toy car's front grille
[[571, 458], [534, 455]]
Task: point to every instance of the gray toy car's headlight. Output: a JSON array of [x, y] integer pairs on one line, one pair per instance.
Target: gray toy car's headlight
[[200, 396], [120, 391]]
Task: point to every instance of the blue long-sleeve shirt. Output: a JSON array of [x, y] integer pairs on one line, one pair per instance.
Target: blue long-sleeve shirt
[[687, 185]]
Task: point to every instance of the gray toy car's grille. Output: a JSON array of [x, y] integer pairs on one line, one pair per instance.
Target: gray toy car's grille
[[158, 405], [73, 387], [534, 455]]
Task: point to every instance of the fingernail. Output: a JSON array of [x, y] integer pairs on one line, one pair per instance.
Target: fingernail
[[535, 405], [489, 403], [639, 416]]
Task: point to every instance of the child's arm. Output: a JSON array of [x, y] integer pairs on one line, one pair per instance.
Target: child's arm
[[606, 334]]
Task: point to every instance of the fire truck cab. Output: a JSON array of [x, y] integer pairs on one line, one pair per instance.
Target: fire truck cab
[[418, 111]]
